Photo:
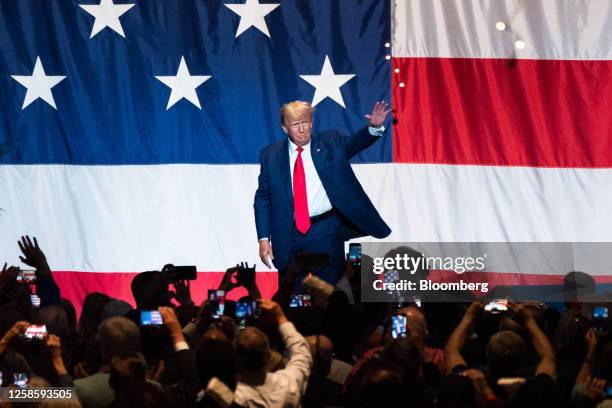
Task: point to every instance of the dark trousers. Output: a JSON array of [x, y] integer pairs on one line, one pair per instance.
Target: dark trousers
[[325, 236]]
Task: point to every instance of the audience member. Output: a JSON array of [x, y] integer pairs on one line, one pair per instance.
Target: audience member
[[321, 391], [118, 337], [283, 388]]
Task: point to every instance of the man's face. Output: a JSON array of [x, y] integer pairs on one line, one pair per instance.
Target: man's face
[[298, 127]]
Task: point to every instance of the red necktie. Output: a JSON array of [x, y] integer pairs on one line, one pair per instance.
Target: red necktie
[[300, 199]]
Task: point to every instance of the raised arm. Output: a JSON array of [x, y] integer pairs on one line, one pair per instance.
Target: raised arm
[[46, 287], [185, 391], [540, 342], [365, 137], [300, 360], [457, 338], [584, 375], [54, 345]]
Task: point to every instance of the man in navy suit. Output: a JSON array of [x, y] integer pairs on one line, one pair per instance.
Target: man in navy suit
[[308, 198]]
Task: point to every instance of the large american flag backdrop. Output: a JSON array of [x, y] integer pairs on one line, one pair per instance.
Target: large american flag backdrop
[[130, 129]]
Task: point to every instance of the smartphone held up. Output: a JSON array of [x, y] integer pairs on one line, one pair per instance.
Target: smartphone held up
[[217, 301], [497, 306], [181, 273], [151, 318], [35, 332]]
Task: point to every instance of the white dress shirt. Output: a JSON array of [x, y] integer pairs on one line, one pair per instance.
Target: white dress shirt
[[318, 202]]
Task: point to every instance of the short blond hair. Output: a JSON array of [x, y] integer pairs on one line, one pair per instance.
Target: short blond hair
[[295, 108]]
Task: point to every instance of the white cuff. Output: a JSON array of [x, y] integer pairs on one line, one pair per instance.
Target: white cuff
[[376, 131], [181, 345]]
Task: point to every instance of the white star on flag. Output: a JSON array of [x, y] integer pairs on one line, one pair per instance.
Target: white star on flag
[[252, 14], [183, 85], [38, 85], [107, 15], [327, 84]]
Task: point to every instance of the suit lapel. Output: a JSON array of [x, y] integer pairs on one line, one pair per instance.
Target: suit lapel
[[285, 169], [316, 152]]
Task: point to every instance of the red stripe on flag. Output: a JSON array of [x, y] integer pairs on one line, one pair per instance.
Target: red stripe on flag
[[508, 112], [75, 286]]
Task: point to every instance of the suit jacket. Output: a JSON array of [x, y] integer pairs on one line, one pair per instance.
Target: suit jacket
[[330, 154]]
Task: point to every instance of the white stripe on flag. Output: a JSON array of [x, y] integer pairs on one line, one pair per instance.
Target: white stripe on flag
[[135, 218], [550, 29]]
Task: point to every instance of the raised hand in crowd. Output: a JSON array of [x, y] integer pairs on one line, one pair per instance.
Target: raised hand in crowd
[[473, 310], [246, 278], [17, 329], [205, 313], [229, 283], [54, 345], [591, 342], [172, 324], [182, 292], [182, 288], [33, 255], [245, 275], [46, 288], [240, 275], [520, 312], [7, 278], [319, 289], [271, 312]]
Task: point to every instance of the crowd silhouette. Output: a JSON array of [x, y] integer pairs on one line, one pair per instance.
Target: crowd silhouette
[[313, 345]]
